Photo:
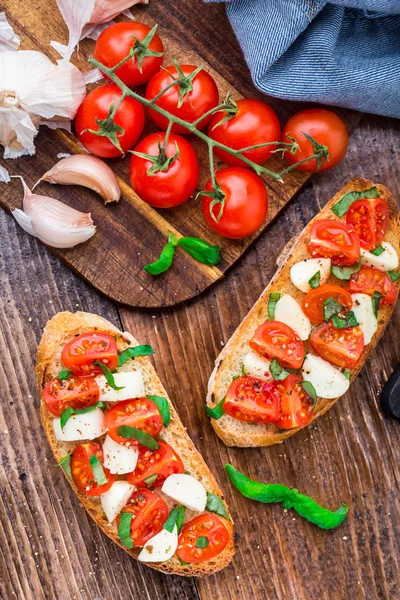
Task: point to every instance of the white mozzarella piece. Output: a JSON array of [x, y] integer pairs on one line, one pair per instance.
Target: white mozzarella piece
[[328, 381], [256, 365], [131, 383], [301, 272], [386, 261], [81, 427], [161, 547], [289, 311], [114, 499], [186, 490], [119, 459], [362, 308]]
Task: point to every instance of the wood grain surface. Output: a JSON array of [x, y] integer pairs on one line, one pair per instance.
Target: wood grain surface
[[49, 548]]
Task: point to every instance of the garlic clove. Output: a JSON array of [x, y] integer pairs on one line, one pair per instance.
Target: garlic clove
[[23, 221], [86, 170]]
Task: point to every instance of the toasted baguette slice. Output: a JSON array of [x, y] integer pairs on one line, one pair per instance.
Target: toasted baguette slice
[[229, 362], [58, 331]]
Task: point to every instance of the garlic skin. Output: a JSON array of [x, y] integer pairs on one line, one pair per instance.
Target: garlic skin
[[86, 170], [8, 39]]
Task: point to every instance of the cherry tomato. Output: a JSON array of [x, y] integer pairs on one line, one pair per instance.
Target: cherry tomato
[[369, 217], [82, 472], [274, 339], [96, 107], [326, 128], [254, 123], [245, 203], [141, 413], [162, 463], [335, 240], [296, 407], [79, 354], [149, 513], [115, 43], [204, 526], [251, 400], [172, 187], [341, 347], [77, 392], [203, 97], [369, 280], [313, 303]]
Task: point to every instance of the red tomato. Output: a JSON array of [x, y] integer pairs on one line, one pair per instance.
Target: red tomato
[[79, 354], [149, 513], [313, 303], [204, 526], [369, 280], [141, 413], [203, 97], [82, 472], [341, 347], [274, 339], [115, 43], [326, 128], [172, 187], [254, 123], [369, 217], [77, 392], [251, 400], [96, 107], [296, 407], [162, 462], [245, 203], [335, 240]]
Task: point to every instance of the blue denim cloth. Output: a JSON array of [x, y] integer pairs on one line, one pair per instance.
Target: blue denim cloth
[[344, 52]]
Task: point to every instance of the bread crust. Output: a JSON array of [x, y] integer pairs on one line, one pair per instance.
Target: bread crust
[[60, 329], [235, 433]]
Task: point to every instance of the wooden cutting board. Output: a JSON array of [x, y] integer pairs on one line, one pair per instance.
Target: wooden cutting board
[[131, 233]]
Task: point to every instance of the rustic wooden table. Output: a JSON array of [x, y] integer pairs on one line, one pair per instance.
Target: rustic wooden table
[[49, 547]]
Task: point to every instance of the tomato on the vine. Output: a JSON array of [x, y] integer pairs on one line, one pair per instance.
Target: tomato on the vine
[[369, 217], [335, 240]]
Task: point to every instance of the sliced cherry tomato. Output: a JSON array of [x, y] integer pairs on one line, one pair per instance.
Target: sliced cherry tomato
[[254, 123], [313, 303], [251, 400], [204, 526], [369, 280], [296, 407], [203, 97], [115, 43], [274, 339], [369, 217], [82, 472], [245, 203], [79, 354], [149, 513], [77, 392], [141, 413], [335, 240], [341, 347], [162, 463]]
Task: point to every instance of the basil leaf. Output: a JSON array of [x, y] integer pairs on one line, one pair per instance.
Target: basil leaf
[[65, 464], [215, 505], [331, 307], [98, 470], [163, 406], [394, 275], [378, 251], [341, 207], [314, 513], [344, 273], [309, 389], [277, 371], [64, 374], [175, 518], [142, 350], [348, 320], [273, 299], [149, 481], [163, 263], [217, 412], [183, 563], [65, 415], [141, 436], [108, 375], [243, 371], [124, 529], [315, 280], [347, 374], [201, 250], [202, 542], [376, 300], [68, 412]]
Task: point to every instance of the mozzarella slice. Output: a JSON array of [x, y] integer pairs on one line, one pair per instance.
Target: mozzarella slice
[[386, 261], [131, 383], [289, 311], [256, 365], [362, 308], [328, 381], [160, 547], [186, 490], [118, 458], [81, 427], [114, 499], [301, 272]]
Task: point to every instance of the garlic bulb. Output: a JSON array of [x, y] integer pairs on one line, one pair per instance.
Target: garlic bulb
[[8, 39]]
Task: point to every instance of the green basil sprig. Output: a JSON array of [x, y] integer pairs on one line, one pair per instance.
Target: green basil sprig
[[108, 375], [309, 389], [304, 505], [65, 464], [376, 301], [164, 262], [68, 412], [348, 320], [314, 281], [341, 207], [98, 470], [277, 371], [163, 407], [142, 350], [331, 308], [394, 275], [141, 436], [378, 250], [124, 529], [344, 273], [217, 412], [176, 517], [64, 374], [272, 301], [215, 505]]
